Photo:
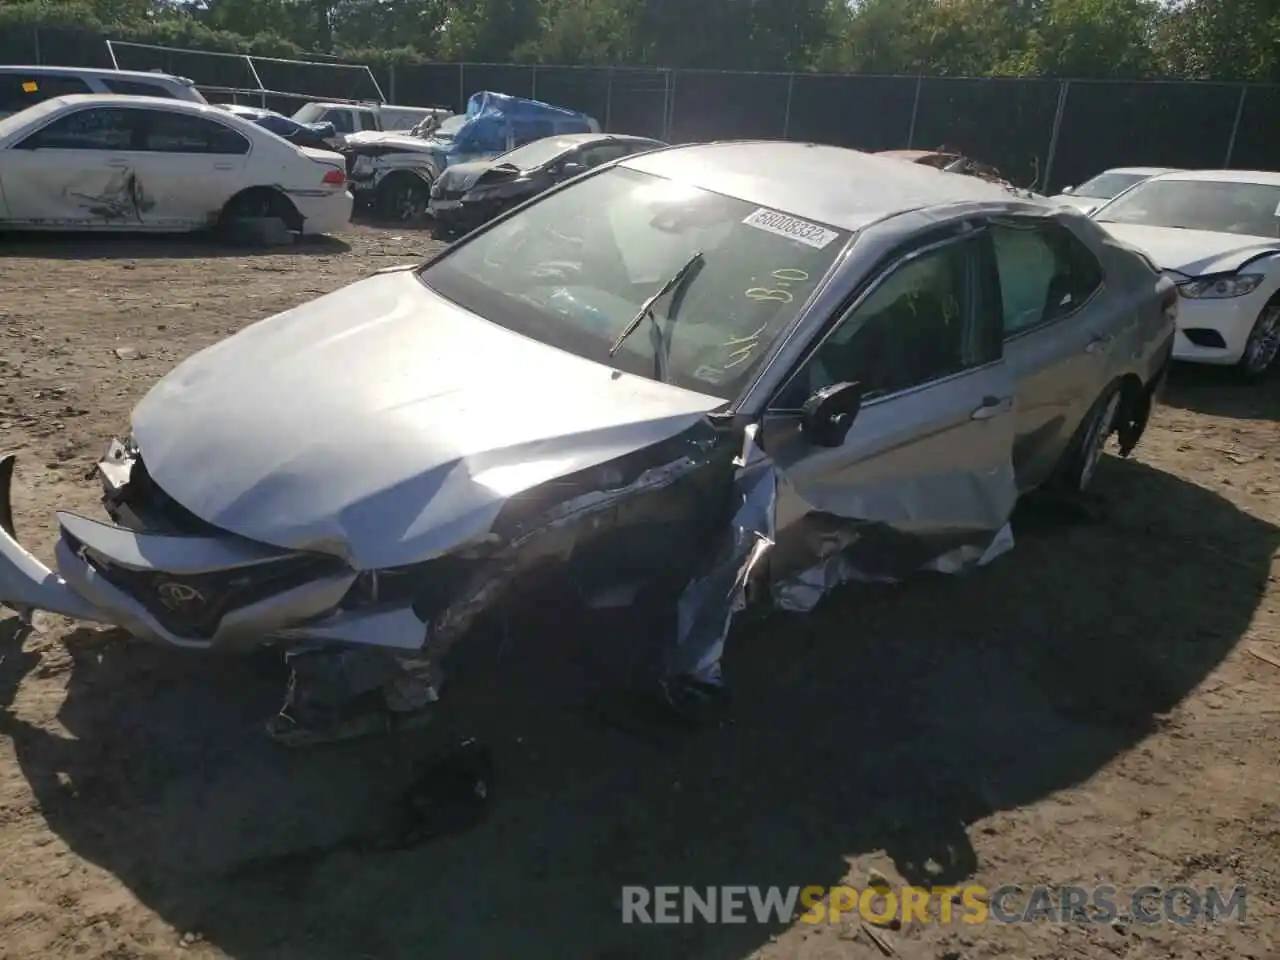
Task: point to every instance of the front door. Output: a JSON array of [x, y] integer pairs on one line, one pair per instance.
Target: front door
[[926, 465], [76, 171]]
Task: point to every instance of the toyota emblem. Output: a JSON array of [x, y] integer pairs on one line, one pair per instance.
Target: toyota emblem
[[179, 597]]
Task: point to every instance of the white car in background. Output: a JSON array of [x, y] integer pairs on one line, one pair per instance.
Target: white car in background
[[1108, 184], [1217, 234], [106, 162]]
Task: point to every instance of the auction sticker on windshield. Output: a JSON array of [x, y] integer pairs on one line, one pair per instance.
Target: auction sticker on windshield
[[791, 227]]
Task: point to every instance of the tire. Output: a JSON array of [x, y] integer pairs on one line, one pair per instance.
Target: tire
[[259, 202], [1080, 461], [402, 198], [1262, 349]]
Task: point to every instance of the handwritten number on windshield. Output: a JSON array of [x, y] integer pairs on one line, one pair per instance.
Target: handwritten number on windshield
[[743, 347], [785, 279]]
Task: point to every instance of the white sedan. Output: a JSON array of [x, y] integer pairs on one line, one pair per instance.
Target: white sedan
[[1096, 191], [1217, 234], [106, 162]]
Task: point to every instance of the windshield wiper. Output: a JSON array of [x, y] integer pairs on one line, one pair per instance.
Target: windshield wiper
[[674, 285]]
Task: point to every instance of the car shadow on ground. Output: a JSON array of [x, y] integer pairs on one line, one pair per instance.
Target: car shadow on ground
[[1221, 392], [889, 719], [98, 246]]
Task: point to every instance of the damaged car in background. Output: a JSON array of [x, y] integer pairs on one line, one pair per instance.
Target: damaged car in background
[[686, 376], [394, 172], [115, 162], [468, 194]]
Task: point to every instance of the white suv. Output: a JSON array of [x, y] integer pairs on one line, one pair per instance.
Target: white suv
[[22, 87]]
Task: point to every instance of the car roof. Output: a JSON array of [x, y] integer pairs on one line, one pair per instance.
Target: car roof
[[833, 185], [96, 72], [1268, 177], [1142, 171], [21, 119]]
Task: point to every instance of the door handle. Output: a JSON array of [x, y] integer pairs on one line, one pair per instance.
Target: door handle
[[992, 407], [1097, 342], [117, 162], [224, 166]]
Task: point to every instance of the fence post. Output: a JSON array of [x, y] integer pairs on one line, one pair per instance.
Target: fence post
[[786, 117], [915, 108], [671, 104], [533, 82], [608, 100], [1235, 127], [35, 36], [462, 88], [1064, 88], [391, 81]]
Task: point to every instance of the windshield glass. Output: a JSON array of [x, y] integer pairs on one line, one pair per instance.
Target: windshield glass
[[1249, 209], [1106, 185], [573, 269], [535, 154]]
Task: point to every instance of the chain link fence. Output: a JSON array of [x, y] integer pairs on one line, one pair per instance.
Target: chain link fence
[[1044, 132]]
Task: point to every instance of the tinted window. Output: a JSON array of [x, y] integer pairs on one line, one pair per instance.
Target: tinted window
[[603, 153], [138, 88], [101, 128], [368, 121], [183, 133], [917, 326], [1223, 206], [341, 120], [19, 91], [1045, 273], [573, 269]]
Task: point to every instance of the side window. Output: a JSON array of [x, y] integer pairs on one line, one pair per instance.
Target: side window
[[101, 128], [605, 152], [368, 121], [137, 88], [1045, 273], [920, 324], [19, 91], [183, 133], [341, 120]]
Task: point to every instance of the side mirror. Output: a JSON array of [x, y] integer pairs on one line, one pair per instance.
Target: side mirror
[[570, 170], [827, 415], [1066, 189]]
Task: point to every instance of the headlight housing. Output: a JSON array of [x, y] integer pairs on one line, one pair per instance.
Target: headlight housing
[[1220, 287]]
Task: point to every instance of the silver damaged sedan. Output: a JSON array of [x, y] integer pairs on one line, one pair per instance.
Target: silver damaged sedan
[[696, 379]]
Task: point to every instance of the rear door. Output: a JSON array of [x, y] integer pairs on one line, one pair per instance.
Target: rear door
[[1056, 339], [189, 166], [926, 465], [78, 171]]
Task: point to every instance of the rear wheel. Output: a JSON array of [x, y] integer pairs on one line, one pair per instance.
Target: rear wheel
[[1263, 346], [402, 198], [1080, 462], [259, 203]]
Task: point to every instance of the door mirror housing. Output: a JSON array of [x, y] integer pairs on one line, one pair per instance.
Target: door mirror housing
[[570, 170], [1066, 189], [827, 415]]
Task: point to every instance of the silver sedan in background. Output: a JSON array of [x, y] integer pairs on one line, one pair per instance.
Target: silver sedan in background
[[695, 377]]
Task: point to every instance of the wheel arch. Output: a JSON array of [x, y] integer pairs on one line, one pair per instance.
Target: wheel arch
[[287, 211]]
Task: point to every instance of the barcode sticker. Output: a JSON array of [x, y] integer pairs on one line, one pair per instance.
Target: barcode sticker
[[790, 227]]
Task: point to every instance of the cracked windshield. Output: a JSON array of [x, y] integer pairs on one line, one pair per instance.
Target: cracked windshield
[[577, 270]]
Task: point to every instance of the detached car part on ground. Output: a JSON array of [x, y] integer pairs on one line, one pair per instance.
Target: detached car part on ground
[[469, 194], [394, 172], [1216, 234], [688, 376], [106, 162]]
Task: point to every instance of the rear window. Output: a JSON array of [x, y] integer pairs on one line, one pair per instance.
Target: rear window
[[138, 88], [19, 91]]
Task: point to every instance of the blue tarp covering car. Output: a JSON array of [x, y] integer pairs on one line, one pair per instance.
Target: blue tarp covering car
[[395, 170]]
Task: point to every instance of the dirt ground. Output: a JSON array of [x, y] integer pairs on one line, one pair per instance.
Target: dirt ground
[[1098, 706]]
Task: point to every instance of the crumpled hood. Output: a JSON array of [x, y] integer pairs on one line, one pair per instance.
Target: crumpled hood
[[403, 141], [462, 176], [1195, 253], [387, 425]]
